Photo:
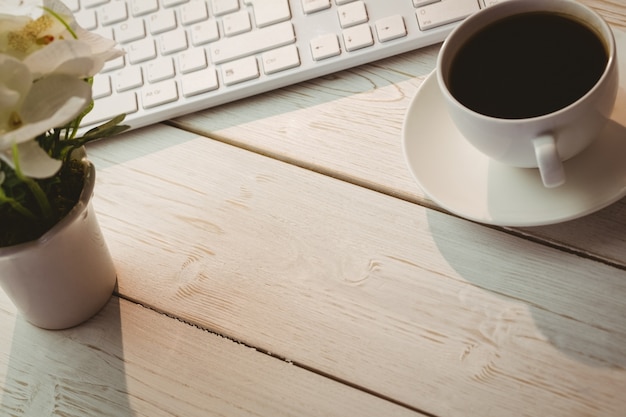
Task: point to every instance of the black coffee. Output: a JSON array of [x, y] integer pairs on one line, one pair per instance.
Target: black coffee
[[527, 65]]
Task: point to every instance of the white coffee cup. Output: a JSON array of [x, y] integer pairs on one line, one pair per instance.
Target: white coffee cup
[[539, 141]]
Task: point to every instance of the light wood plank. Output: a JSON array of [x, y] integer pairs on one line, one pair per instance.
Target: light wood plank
[[442, 314], [129, 361], [348, 125]]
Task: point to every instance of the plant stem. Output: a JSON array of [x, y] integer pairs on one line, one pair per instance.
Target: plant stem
[[16, 205], [40, 196]]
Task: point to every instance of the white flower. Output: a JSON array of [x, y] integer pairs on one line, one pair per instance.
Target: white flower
[[45, 57], [47, 46], [29, 109]]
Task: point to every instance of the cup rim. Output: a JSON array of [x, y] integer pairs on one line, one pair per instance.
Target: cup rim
[[474, 23]]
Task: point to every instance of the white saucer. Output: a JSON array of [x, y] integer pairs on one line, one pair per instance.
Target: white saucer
[[467, 183]]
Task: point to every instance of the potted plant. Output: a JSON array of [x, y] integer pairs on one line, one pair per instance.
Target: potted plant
[[54, 263]]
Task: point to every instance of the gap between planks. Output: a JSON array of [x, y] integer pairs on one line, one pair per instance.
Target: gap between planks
[[270, 354], [400, 195]]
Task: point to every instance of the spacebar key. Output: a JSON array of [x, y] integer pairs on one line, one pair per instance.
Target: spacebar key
[[252, 42], [444, 12]]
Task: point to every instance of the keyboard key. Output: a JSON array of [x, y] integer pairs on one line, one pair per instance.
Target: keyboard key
[[192, 60], [130, 31], [420, 3], [141, 51], [199, 82], [249, 43], [128, 78], [159, 94], [172, 3], [312, 6], [221, 7], [357, 37], [108, 107], [280, 59], [352, 14], [390, 28], [101, 86], [94, 3], [113, 13], [204, 32], [114, 64], [269, 12], [241, 70], [444, 12], [193, 12], [236, 23], [163, 21], [325, 46], [174, 41], [142, 7], [160, 69]]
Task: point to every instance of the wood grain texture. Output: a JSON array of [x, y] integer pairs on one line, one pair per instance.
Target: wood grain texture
[[348, 125], [324, 256], [438, 313], [129, 361]]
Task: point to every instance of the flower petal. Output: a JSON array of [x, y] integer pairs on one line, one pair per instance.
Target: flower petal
[[21, 7], [14, 74], [29, 131], [99, 45], [59, 8], [52, 102], [15, 82], [9, 98], [34, 161], [48, 59], [50, 94], [82, 67]]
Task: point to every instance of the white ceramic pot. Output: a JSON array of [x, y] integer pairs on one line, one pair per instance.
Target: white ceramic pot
[[65, 277]]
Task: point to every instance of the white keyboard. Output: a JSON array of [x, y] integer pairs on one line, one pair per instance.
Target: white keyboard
[[187, 55]]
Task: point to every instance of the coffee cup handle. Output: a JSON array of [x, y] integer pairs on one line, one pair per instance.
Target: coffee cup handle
[[549, 161]]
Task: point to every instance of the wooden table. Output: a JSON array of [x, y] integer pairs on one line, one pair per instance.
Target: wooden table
[[275, 258]]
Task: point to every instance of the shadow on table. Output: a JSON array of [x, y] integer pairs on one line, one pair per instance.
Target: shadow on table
[[158, 137], [135, 144], [576, 303], [318, 91], [74, 372]]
